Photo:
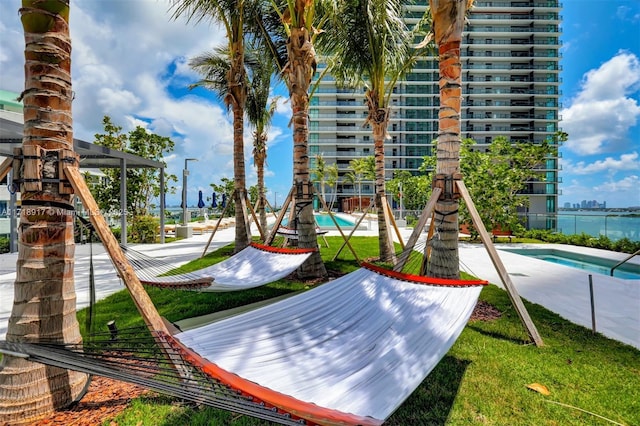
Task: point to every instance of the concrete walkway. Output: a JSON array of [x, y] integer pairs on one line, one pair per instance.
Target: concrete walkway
[[565, 290], [561, 289]]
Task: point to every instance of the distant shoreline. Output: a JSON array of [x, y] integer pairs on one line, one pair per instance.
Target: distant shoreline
[[608, 209]]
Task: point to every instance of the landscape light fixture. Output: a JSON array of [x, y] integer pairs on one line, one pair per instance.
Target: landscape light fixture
[[185, 173]]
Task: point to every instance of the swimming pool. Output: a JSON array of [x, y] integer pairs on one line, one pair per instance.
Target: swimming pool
[[324, 221], [588, 263]]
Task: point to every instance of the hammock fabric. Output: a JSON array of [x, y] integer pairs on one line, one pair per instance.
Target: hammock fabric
[[347, 352], [254, 266]]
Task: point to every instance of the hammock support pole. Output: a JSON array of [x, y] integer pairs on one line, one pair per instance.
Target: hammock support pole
[[497, 263], [254, 217], [5, 167], [140, 297], [427, 212], [392, 220], [204, 252], [346, 240], [245, 218], [427, 247], [283, 211], [273, 211]]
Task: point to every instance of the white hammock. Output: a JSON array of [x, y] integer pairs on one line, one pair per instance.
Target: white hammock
[[347, 352], [254, 266]]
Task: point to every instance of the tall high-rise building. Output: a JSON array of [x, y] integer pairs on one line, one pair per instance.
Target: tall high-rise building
[[511, 87]]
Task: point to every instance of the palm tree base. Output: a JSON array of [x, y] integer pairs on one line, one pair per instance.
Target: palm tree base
[[31, 391]]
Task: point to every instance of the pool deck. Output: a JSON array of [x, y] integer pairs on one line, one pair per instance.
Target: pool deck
[[565, 290], [559, 288]]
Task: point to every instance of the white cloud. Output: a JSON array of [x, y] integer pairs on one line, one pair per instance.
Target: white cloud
[[628, 185], [115, 101], [284, 106], [129, 60], [625, 13], [600, 116], [608, 165]]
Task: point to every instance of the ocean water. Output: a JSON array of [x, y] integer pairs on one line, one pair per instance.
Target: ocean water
[[614, 225]]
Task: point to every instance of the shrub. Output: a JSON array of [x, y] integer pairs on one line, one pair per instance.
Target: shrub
[[143, 229], [585, 240], [625, 245], [411, 220], [4, 245]]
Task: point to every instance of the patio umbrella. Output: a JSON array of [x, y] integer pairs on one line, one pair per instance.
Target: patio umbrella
[[214, 202], [224, 200], [200, 201]]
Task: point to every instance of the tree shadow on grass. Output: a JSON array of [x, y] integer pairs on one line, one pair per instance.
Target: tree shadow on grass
[[431, 403], [500, 335]]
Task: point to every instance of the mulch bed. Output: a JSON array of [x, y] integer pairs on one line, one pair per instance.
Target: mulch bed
[[485, 311], [106, 398]]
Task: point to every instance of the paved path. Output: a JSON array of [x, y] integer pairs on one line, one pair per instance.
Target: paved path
[[565, 290]]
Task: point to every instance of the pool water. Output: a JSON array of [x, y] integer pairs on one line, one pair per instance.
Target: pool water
[[587, 263], [324, 221], [590, 267]]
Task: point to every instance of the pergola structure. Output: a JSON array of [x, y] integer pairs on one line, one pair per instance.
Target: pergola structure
[[91, 157]]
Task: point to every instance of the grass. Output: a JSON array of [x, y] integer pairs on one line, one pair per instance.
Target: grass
[[481, 381]]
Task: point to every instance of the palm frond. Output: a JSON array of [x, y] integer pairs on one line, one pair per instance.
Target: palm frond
[[369, 42], [213, 66]]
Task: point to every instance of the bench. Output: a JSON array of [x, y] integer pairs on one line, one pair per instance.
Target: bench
[[496, 233]]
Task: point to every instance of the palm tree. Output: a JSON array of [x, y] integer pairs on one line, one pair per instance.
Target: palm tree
[[448, 21], [356, 176], [297, 31], [319, 173], [371, 46], [231, 14], [332, 181], [44, 307], [259, 113]]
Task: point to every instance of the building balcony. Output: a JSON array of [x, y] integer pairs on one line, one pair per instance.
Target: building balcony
[[500, 92], [480, 6], [472, 39], [498, 54]]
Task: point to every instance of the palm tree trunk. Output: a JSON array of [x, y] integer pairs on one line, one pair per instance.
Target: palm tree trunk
[[448, 21], [44, 306], [237, 92], [299, 72], [384, 236], [259, 158]]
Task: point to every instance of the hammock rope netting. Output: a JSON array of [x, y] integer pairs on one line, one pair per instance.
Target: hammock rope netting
[[138, 360], [347, 352]]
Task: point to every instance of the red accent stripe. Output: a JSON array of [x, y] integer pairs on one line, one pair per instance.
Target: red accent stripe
[[282, 250], [306, 410], [178, 285], [422, 279]]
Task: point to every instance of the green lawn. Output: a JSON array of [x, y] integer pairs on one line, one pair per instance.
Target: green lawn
[[481, 381]]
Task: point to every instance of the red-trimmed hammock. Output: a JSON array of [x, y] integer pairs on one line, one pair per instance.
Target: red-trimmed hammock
[[254, 266], [348, 352]]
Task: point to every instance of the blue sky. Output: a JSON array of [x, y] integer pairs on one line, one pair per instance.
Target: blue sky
[[130, 62], [601, 93]]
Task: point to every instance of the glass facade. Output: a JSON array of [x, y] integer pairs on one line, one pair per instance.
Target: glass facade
[[511, 87]]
